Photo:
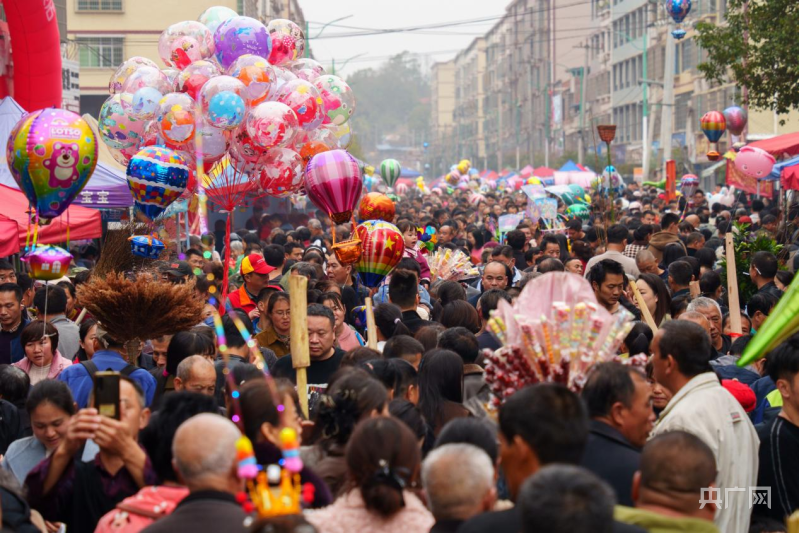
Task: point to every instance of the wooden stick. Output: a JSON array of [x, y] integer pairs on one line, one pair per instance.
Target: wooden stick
[[732, 287], [300, 355], [644, 309], [371, 327], [81, 316]]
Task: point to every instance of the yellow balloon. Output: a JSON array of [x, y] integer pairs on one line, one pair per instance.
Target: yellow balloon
[[369, 170]]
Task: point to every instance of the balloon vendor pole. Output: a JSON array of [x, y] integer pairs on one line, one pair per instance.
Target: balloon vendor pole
[[300, 355], [201, 178], [371, 327], [732, 288], [226, 273]]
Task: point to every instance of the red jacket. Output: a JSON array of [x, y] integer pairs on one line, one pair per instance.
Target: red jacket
[[239, 299]]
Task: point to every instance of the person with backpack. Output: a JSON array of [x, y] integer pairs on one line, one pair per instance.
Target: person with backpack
[[108, 355]]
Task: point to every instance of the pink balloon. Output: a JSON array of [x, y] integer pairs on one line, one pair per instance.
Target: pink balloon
[[334, 184], [754, 162]]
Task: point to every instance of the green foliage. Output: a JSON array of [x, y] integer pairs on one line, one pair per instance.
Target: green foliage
[[392, 99], [746, 245], [766, 62]]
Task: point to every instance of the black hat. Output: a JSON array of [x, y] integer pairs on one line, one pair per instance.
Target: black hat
[[179, 268]]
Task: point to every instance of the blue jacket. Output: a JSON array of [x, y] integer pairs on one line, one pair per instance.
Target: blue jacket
[[80, 382]]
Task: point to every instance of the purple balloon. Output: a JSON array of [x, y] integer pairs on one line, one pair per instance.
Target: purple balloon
[[239, 36], [736, 119]]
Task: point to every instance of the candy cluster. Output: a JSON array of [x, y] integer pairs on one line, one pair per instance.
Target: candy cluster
[[452, 265]]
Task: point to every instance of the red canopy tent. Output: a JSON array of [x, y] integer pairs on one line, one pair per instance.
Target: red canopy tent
[[84, 223], [543, 172], [8, 246], [780, 145]]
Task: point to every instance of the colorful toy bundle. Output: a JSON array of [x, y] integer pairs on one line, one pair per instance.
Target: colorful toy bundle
[[554, 333], [451, 265]]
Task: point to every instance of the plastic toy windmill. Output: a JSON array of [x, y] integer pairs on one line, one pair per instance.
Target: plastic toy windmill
[[713, 125], [678, 10]]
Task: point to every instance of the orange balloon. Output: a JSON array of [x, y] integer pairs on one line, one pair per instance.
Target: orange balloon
[[376, 206], [311, 148]]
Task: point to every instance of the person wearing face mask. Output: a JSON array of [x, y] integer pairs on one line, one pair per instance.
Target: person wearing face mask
[[42, 359], [51, 407], [346, 336]]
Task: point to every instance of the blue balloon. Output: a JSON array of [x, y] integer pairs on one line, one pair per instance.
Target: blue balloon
[[145, 102], [226, 109], [678, 9]]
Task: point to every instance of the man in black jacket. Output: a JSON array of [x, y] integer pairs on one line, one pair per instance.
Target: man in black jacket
[[539, 425], [619, 403], [205, 459]]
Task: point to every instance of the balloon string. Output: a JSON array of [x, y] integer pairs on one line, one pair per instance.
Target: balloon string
[[35, 229], [67, 229], [28, 231], [226, 274]]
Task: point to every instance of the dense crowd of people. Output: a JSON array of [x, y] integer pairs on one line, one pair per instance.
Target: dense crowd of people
[[401, 438]]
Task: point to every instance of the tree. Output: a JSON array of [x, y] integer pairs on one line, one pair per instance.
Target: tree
[[765, 62]]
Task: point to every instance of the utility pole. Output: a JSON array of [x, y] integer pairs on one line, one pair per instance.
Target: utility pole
[[581, 148], [645, 126], [667, 110], [499, 131]]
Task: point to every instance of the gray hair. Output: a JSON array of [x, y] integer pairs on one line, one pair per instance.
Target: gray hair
[[314, 224], [237, 246], [187, 365], [205, 446], [703, 303], [456, 477], [644, 255]]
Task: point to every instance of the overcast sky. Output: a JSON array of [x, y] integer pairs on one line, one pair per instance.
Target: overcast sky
[[438, 44]]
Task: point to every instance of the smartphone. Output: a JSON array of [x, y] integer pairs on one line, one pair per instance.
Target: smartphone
[[106, 394]]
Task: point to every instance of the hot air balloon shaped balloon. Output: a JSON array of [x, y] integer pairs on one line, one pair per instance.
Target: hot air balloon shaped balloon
[[678, 10], [48, 262], [334, 184], [390, 170], [688, 186], [736, 118], [157, 176], [376, 206], [51, 154], [713, 126], [383, 247]]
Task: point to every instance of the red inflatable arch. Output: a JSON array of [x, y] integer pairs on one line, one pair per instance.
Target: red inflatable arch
[[36, 51]]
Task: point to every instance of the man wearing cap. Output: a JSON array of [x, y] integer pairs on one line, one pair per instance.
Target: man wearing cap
[[255, 273], [178, 272]]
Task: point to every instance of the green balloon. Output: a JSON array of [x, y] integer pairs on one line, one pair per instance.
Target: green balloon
[[576, 190], [390, 169], [579, 210], [568, 198]]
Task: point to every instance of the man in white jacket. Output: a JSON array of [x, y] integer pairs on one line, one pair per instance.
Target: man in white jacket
[[701, 406]]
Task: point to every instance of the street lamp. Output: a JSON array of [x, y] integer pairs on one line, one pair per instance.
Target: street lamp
[[333, 67], [308, 32]]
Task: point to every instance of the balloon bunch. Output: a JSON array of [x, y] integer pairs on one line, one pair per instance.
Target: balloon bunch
[[237, 111]]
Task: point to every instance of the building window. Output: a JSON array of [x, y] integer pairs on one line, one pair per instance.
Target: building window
[[98, 5], [100, 52]]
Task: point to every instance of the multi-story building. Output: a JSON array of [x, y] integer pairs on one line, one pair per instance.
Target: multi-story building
[[468, 116], [442, 152], [106, 32]]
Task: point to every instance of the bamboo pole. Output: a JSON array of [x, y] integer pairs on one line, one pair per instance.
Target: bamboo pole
[[371, 327], [644, 309], [300, 355], [732, 287]]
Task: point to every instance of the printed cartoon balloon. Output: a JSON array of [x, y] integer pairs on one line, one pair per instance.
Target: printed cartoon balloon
[[245, 155], [272, 125], [383, 248], [147, 77], [376, 206], [282, 173], [334, 185], [216, 15], [192, 78], [157, 176], [238, 36], [176, 119], [52, 155], [304, 99], [124, 70], [222, 102], [338, 98], [48, 262], [754, 162], [257, 75], [144, 103], [736, 118], [184, 42], [118, 129], [288, 41], [307, 69]]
